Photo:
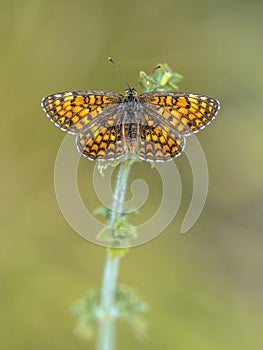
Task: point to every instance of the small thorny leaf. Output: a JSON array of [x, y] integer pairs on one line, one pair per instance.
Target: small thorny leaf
[[128, 306], [119, 235]]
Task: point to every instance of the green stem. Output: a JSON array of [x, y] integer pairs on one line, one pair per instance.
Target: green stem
[[106, 334], [107, 314]]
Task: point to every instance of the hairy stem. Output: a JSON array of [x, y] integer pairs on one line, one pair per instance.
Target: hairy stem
[[107, 315]]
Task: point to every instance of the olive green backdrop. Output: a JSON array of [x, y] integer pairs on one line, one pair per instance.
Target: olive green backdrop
[[205, 288]]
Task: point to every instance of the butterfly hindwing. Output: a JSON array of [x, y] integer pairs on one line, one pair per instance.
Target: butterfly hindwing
[[158, 142]]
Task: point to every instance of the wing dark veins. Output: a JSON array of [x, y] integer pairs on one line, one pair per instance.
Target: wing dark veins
[[158, 120]]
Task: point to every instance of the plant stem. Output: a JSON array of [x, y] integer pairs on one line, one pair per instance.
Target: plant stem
[[106, 334], [107, 317]]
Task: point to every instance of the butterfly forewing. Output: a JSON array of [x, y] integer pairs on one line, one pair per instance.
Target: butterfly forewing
[[74, 111], [184, 112]]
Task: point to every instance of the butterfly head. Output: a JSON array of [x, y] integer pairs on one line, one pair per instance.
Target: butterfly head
[[130, 92]]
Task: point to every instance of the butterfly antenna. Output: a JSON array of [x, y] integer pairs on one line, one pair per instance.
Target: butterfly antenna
[[119, 71], [147, 75]]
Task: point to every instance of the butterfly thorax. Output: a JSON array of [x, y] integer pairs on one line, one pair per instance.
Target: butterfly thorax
[[130, 100], [131, 127]]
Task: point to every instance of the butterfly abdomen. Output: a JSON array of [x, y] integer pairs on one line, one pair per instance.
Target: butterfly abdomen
[[131, 133]]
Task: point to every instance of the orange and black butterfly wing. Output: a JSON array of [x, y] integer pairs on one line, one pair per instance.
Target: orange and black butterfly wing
[[184, 112], [74, 111], [158, 142], [95, 116], [103, 139]]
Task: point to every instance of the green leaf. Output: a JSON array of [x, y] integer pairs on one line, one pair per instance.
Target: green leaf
[[161, 79]]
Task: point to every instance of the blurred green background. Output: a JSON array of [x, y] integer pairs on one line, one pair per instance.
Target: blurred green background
[[205, 287]]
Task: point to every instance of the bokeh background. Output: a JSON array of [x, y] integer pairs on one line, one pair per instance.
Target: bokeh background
[[205, 288]]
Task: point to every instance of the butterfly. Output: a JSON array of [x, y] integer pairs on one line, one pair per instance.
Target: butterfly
[[151, 126]]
